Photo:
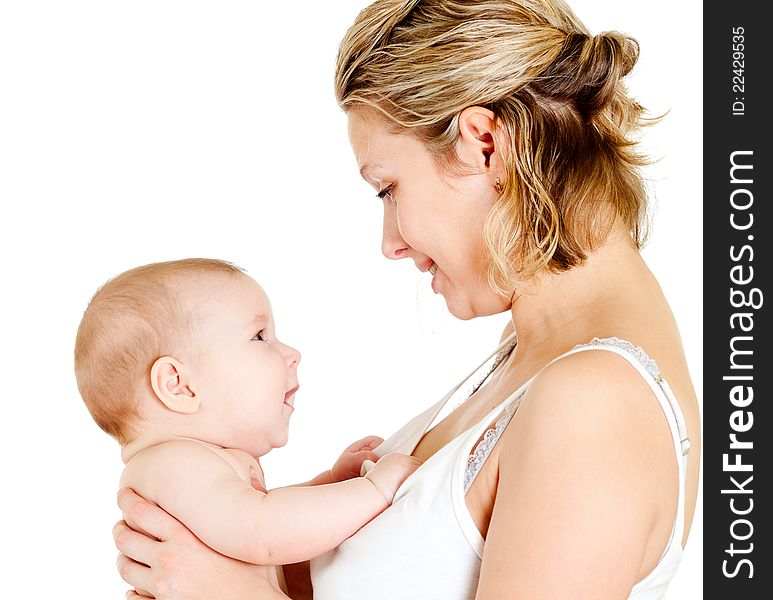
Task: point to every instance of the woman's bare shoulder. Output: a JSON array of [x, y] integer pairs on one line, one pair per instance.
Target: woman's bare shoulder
[[597, 393], [578, 479]]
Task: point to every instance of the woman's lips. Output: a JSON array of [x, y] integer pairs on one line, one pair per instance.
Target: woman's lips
[[433, 270], [426, 266]]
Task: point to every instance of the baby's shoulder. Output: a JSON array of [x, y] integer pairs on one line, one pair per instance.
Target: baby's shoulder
[[168, 463], [175, 452]]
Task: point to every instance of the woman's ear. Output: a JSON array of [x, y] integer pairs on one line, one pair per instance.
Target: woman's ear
[[475, 146], [170, 385]]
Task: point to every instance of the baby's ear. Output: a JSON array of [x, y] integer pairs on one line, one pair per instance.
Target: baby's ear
[[168, 382]]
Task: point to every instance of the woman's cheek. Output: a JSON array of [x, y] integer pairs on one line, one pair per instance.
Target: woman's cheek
[[410, 228]]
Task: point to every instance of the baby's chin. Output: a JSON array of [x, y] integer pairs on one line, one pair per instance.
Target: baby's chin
[[281, 438], [282, 441], [266, 444]]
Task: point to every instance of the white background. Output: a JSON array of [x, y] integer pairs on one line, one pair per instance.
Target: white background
[[133, 132]]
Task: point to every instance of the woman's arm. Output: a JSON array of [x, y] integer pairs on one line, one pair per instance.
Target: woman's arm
[[584, 469]]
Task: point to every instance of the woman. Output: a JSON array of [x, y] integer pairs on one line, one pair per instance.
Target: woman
[[498, 135]]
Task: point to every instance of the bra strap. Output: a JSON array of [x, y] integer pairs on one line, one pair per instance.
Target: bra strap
[[406, 438], [440, 405], [646, 367], [649, 370]]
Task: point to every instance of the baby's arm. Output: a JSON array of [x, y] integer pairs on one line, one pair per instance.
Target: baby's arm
[[285, 525], [349, 463]]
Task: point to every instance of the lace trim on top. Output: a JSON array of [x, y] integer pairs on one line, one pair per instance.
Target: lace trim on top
[[483, 448], [636, 351]]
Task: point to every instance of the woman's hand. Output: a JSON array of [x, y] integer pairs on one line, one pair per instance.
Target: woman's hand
[[349, 463], [161, 559]]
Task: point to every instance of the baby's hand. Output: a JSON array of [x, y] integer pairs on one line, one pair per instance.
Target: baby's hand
[[349, 463], [390, 471]]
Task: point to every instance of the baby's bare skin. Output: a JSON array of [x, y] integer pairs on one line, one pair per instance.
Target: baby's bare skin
[[220, 495], [199, 417]]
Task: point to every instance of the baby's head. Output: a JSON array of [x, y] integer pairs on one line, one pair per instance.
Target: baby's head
[[186, 348]]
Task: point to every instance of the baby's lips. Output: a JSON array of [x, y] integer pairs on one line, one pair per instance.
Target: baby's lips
[[290, 393]]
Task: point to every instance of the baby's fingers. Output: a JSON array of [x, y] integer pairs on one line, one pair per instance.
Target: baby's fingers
[[366, 466], [371, 442], [366, 443], [367, 455]]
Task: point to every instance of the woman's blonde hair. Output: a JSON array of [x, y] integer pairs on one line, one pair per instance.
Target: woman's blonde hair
[[570, 159]]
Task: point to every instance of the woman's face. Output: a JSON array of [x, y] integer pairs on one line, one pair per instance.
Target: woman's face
[[430, 217]]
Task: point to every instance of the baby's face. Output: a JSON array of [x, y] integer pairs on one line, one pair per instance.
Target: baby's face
[[245, 377]]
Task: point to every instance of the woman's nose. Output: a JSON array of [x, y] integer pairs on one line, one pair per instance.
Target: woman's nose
[[393, 245]]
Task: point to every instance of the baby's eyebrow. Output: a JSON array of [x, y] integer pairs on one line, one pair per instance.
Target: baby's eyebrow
[[259, 318]]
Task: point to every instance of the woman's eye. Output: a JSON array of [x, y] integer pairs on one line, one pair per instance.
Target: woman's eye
[[259, 337], [386, 193]]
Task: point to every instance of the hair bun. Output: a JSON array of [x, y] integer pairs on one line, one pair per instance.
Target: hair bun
[[587, 70]]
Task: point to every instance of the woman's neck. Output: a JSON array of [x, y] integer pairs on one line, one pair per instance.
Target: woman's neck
[[560, 306]]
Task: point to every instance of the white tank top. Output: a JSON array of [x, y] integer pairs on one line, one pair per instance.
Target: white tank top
[[427, 546]]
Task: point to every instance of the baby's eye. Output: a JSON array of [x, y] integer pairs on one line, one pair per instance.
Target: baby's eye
[[259, 337], [386, 193]]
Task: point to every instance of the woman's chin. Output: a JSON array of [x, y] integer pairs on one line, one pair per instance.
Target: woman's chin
[[460, 310], [465, 310]]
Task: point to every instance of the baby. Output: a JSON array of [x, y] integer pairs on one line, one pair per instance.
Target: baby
[[180, 362]]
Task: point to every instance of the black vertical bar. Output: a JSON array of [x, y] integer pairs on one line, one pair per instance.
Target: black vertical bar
[[737, 224]]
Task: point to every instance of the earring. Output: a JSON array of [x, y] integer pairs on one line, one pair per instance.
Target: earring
[[498, 185]]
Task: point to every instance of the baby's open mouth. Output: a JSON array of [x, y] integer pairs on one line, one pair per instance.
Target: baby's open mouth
[[290, 397]]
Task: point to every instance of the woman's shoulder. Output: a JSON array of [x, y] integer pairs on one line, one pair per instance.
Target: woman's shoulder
[[590, 447], [589, 421], [595, 389], [579, 466], [595, 412]]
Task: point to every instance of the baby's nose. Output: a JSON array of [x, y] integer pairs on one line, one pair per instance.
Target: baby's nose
[[292, 356]]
